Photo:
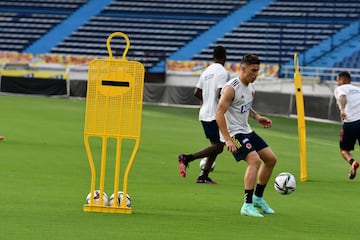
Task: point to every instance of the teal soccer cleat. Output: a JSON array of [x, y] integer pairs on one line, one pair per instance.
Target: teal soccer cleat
[[248, 209], [260, 203]]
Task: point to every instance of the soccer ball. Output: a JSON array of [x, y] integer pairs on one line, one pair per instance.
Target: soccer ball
[[97, 198], [285, 183], [120, 198], [203, 162]]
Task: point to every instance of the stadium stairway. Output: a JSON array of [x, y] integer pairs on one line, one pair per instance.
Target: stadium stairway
[[66, 27], [219, 30]]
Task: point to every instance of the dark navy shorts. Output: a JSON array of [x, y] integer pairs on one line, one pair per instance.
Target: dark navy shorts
[[350, 132], [211, 131], [246, 143]]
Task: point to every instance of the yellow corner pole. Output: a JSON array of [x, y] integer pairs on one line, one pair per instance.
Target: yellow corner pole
[[301, 119]]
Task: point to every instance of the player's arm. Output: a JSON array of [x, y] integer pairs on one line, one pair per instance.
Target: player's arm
[[198, 93], [226, 98], [342, 105], [266, 122], [218, 93], [223, 79]]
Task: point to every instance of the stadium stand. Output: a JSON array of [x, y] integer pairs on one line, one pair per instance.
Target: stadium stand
[[160, 29], [285, 27], [156, 28], [352, 61], [23, 22]]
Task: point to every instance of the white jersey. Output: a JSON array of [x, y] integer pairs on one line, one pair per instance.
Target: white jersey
[[352, 107], [238, 112], [214, 77]]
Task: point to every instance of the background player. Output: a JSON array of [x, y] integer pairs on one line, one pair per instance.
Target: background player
[[208, 90], [348, 100]]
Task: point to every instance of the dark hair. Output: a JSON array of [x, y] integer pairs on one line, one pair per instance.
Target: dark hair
[[219, 53], [345, 75], [249, 59]]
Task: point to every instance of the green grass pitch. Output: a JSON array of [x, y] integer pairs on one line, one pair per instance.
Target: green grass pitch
[[45, 177]]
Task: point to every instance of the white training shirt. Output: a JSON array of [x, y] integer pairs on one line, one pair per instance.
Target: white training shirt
[[214, 77], [352, 107], [237, 114]]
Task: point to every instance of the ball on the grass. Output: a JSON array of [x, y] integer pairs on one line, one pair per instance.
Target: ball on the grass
[[97, 198], [285, 183], [203, 162], [120, 199]]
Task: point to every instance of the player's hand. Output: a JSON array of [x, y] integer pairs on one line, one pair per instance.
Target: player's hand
[[230, 146], [266, 122], [342, 115]]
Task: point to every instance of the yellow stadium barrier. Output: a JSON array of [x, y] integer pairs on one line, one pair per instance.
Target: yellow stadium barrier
[[113, 110]]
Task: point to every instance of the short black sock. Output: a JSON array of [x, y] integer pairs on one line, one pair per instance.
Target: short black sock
[[259, 191], [248, 195], [189, 158], [204, 173], [351, 161]]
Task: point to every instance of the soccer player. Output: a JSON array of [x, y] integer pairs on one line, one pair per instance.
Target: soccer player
[[348, 100], [208, 91], [233, 111], [1, 138]]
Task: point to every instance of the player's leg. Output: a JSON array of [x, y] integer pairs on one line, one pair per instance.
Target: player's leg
[[217, 148], [269, 160], [253, 164], [264, 175], [185, 159], [354, 164], [252, 169], [211, 131], [210, 152], [211, 157], [246, 151], [266, 169], [347, 142]]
